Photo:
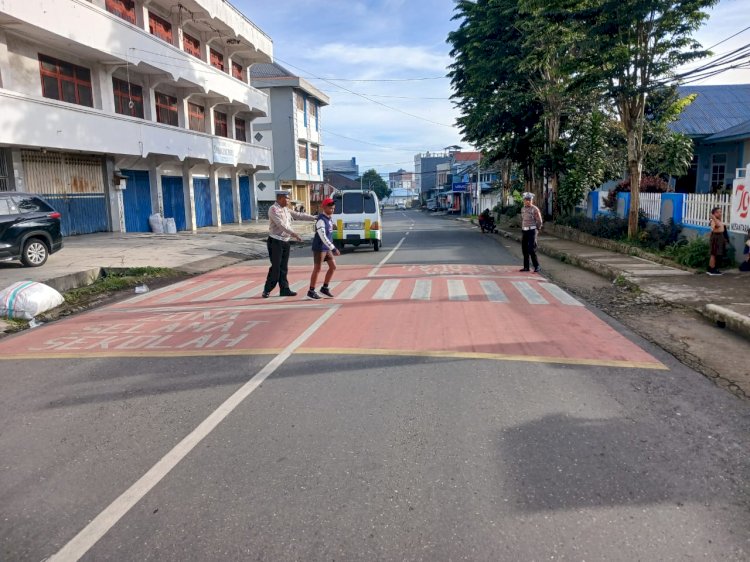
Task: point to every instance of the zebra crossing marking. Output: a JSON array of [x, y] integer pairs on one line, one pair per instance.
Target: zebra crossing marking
[[222, 291], [387, 289], [560, 295], [187, 292], [457, 290], [493, 292], [529, 293], [354, 289], [422, 290]]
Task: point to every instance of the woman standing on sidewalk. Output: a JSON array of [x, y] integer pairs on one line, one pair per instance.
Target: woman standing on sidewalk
[[717, 241]]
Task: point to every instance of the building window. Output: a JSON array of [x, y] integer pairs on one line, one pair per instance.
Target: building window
[[239, 130], [191, 45], [314, 113], [124, 9], [127, 94], [166, 109], [220, 124], [65, 82], [300, 100], [217, 60], [159, 27], [314, 153], [302, 150], [196, 117], [237, 70], [718, 170]]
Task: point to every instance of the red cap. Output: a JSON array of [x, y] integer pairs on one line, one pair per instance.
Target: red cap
[[327, 201]]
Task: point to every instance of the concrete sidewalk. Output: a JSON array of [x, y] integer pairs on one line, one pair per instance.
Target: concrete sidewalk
[[722, 299]]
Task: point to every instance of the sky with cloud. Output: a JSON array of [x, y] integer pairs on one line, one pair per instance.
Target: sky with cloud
[[383, 65]]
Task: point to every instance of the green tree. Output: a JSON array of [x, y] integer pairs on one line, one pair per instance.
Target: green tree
[[372, 180], [630, 49]]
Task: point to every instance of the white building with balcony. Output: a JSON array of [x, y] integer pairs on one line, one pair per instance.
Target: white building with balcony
[[293, 130], [117, 109]]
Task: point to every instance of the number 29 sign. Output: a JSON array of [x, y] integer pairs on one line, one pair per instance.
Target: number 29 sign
[[740, 217]]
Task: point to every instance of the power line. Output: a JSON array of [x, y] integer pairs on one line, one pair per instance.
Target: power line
[[377, 79], [371, 100]]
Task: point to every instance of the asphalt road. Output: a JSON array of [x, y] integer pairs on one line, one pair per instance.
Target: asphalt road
[[434, 424]]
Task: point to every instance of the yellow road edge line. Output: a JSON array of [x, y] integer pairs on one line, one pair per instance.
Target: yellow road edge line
[[340, 351]]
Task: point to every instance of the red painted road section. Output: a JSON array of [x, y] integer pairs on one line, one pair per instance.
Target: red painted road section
[[451, 310]]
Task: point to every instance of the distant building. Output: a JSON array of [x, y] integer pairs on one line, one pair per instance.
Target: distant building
[[340, 181], [425, 173], [293, 130], [348, 168]]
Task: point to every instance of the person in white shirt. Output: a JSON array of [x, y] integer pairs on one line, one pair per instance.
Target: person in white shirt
[[280, 232]]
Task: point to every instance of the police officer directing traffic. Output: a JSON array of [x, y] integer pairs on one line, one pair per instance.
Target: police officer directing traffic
[[280, 232]]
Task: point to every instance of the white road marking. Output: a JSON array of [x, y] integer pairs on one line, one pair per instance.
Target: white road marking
[[529, 293], [374, 270], [179, 294], [457, 290], [559, 294], [493, 292], [223, 291], [422, 290], [102, 523], [386, 290], [354, 289]]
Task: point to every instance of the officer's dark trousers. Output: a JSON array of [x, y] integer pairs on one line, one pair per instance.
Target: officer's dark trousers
[[278, 253], [528, 246]]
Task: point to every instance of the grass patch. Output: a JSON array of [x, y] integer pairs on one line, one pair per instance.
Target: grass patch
[[113, 280]]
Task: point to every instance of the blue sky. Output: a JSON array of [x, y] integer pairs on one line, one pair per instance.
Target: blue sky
[[351, 42]]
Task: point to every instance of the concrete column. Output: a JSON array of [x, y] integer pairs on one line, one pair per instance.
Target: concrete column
[[236, 195], [213, 178], [157, 194], [114, 198], [176, 29], [106, 89], [4, 62], [16, 170], [187, 186], [254, 196]]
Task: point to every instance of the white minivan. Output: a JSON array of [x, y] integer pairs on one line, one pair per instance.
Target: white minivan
[[356, 219]]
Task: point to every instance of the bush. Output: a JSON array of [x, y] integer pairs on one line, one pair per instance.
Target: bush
[[693, 253], [659, 236], [603, 226]]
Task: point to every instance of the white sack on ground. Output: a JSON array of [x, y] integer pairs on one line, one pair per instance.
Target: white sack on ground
[[156, 223], [170, 226], [27, 299]]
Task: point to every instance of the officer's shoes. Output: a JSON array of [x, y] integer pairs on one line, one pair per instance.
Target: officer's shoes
[[287, 293]]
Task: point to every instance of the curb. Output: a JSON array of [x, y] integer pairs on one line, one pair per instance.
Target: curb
[[726, 318]]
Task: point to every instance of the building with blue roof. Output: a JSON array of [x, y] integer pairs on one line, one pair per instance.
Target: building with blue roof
[[718, 121]]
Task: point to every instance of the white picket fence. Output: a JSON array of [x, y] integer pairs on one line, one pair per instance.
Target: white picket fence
[[696, 208], [650, 203]]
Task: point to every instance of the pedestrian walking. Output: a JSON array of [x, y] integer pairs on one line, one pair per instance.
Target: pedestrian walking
[[323, 250], [531, 224], [717, 241], [280, 232]]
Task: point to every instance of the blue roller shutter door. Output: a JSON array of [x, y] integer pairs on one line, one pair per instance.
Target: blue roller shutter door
[[245, 200], [202, 193], [137, 201], [225, 200], [174, 200]]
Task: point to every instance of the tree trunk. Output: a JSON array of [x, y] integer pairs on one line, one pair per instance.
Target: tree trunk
[[632, 117]]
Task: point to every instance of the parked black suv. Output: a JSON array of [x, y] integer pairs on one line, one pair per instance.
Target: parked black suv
[[29, 228]]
